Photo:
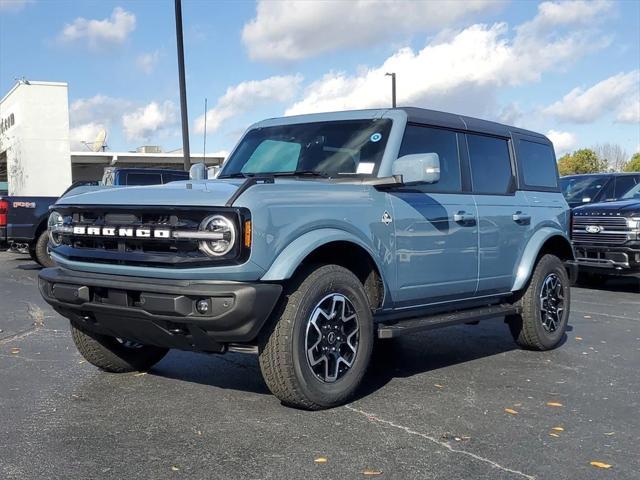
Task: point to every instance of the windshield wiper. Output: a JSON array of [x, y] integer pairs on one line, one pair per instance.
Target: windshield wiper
[[236, 175], [300, 173]]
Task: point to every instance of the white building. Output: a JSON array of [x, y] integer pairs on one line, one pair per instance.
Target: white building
[[35, 158], [34, 139]]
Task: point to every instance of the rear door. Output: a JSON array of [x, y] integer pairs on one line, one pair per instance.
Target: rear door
[[436, 231], [503, 212]]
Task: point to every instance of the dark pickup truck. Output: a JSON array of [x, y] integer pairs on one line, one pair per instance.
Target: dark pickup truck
[[606, 238], [23, 220]]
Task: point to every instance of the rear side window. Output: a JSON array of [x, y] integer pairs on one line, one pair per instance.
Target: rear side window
[[419, 139], [538, 164], [144, 179], [490, 164]]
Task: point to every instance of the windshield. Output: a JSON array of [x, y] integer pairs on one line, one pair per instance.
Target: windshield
[[326, 148], [577, 189], [633, 193]]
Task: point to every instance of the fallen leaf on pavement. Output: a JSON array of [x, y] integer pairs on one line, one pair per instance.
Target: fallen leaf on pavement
[[578, 338], [371, 473], [600, 464], [587, 316], [554, 404], [321, 460], [610, 433], [558, 429], [437, 385], [174, 468], [140, 374], [511, 411], [15, 350], [554, 435]]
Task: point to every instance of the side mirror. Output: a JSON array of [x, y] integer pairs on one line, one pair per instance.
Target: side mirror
[[418, 168], [198, 171]]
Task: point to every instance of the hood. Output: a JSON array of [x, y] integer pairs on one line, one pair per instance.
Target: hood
[[626, 208], [192, 193]]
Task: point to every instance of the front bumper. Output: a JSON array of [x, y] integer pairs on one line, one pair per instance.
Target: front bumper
[[161, 312], [608, 260]]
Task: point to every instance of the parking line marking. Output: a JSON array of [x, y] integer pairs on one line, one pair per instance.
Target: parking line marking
[[410, 431]]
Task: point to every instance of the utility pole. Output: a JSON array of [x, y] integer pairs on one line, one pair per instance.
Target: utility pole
[[393, 88], [183, 88], [204, 146]]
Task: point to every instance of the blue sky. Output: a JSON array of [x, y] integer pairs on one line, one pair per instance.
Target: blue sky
[[567, 69]]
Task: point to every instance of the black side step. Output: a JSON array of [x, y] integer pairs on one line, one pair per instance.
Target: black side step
[[414, 325]]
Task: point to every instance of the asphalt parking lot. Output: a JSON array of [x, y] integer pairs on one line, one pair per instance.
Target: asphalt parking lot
[[462, 402]]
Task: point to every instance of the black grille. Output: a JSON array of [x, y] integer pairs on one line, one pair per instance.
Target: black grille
[[614, 230], [168, 252]]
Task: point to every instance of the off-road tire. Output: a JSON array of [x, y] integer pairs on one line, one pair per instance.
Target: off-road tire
[[283, 360], [527, 328], [41, 251], [108, 354]]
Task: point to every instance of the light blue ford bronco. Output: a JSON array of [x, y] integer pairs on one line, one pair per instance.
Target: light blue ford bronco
[[322, 234]]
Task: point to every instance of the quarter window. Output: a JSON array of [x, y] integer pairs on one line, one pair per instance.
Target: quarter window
[[490, 164], [538, 164], [419, 139]]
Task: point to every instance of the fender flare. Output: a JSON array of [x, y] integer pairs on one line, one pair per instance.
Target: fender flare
[[530, 254], [293, 254]]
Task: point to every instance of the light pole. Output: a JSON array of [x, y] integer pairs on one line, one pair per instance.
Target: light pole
[[183, 87], [393, 88]]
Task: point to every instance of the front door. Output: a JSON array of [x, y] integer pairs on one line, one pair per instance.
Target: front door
[[436, 226]]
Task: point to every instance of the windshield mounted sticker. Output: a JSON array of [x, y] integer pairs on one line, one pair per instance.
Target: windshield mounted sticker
[[365, 168], [376, 137]]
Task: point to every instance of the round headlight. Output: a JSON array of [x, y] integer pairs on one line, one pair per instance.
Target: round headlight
[[226, 229], [54, 225]]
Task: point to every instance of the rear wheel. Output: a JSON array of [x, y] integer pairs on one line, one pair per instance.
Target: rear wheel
[[113, 354], [545, 307], [41, 251], [318, 349]]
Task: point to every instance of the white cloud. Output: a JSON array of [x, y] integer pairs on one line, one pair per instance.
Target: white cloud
[[583, 106], [84, 134], [293, 30], [97, 109], [98, 33], [630, 112], [13, 5], [463, 72], [246, 95], [563, 142], [152, 119], [147, 61]]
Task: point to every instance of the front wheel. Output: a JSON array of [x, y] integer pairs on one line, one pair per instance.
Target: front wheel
[[41, 251], [113, 354], [317, 351], [545, 307]]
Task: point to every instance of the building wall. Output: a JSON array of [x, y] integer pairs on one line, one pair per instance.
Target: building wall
[[36, 140]]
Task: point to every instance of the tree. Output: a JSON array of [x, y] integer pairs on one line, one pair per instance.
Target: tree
[[633, 165], [581, 161], [615, 156]]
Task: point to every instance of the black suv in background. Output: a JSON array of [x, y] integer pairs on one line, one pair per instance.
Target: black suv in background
[[597, 187], [606, 238]]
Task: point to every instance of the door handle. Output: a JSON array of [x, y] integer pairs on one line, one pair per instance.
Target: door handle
[[521, 218], [464, 218]]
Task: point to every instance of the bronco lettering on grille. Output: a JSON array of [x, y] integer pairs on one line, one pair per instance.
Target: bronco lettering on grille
[[121, 232]]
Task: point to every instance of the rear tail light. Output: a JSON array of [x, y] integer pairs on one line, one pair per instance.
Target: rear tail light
[[4, 209]]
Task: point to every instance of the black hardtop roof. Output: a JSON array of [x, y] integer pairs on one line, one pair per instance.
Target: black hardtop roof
[[452, 120]]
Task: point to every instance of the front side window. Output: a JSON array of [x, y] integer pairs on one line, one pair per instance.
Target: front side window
[[418, 139], [538, 164], [633, 193], [335, 148], [490, 164], [624, 184]]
